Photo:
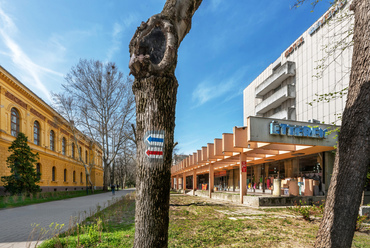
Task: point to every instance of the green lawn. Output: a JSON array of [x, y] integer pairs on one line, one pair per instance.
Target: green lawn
[[200, 222]]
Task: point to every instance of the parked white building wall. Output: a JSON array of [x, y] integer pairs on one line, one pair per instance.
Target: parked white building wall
[[284, 89]]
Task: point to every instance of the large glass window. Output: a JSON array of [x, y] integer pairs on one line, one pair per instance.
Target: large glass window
[[36, 133], [53, 174], [86, 156], [65, 175], [52, 140], [74, 176], [80, 154], [81, 177], [73, 150], [64, 143], [14, 122]]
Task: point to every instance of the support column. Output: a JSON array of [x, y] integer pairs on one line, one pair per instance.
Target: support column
[[194, 181], [263, 177], [243, 177], [211, 180], [172, 182], [184, 182], [177, 182]]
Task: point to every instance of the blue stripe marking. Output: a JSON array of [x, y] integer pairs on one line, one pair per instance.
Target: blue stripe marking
[[151, 139]]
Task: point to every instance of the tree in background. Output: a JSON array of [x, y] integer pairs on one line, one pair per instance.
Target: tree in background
[[21, 162], [125, 172], [103, 106], [153, 59], [65, 104]]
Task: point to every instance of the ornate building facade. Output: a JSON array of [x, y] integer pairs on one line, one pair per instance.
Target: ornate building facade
[[62, 150]]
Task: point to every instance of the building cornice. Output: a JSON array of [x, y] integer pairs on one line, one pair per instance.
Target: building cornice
[[14, 83]]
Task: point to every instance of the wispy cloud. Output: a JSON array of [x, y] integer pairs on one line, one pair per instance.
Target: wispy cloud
[[188, 147], [213, 88], [20, 58], [117, 31], [213, 5]]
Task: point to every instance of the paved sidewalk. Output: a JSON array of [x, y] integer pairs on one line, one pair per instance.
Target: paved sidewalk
[[15, 223]]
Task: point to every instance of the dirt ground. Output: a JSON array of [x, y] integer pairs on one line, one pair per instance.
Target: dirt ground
[[203, 222]]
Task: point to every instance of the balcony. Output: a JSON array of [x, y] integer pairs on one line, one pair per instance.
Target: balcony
[[276, 99], [282, 115], [277, 77]]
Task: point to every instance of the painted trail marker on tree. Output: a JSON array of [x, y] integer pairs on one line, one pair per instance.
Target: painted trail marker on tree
[[155, 152], [154, 140]]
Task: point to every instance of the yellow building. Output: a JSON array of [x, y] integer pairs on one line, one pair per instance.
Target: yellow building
[[48, 134]]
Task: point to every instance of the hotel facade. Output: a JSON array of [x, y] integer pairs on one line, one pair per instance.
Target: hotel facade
[[49, 135], [287, 143], [318, 62]]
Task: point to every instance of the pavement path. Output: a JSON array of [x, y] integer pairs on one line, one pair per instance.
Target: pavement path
[[15, 223]]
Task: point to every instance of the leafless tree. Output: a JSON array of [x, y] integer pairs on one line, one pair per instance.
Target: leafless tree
[[153, 59], [126, 166], [103, 106], [66, 107]]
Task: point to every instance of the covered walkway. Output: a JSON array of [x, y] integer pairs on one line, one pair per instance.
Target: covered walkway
[[256, 150]]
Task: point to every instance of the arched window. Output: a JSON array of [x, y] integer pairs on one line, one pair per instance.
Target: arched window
[[52, 140], [73, 150], [64, 143], [86, 157], [53, 174], [36, 133], [74, 176], [38, 170], [65, 175], [81, 177], [14, 122]]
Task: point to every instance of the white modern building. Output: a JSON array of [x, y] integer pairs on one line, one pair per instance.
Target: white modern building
[[313, 64], [277, 140]]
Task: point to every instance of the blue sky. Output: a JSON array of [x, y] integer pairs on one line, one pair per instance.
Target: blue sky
[[231, 42]]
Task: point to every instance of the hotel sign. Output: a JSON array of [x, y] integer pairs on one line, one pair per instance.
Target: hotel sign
[[297, 131], [291, 49], [328, 15]]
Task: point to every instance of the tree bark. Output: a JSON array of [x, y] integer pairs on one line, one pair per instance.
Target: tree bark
[[153, 51], [353, 153]]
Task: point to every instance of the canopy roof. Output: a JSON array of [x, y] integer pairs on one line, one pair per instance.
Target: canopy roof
[[263, 140]]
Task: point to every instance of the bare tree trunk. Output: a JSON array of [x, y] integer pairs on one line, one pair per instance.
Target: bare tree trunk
[[113, 171], [353, 153], [105, 176], [153, 51], [123, 181]]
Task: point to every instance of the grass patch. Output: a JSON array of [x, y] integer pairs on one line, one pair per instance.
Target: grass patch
[[111, 227], [200, 222], [24, 200]]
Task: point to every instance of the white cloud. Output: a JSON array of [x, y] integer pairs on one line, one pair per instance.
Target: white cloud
[[215, 4], [21, 59], [213, 88], [118, 30]]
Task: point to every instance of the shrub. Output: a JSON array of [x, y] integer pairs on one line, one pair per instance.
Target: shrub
[[21, 162]]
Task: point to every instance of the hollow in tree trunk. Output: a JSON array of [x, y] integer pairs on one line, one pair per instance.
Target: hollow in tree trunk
[[153, 51]]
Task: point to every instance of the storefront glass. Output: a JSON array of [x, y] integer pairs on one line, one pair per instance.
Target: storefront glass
[[203, 181], [227, 180]]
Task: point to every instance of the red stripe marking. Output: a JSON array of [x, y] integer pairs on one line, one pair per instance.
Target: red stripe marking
[[154, 152]]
